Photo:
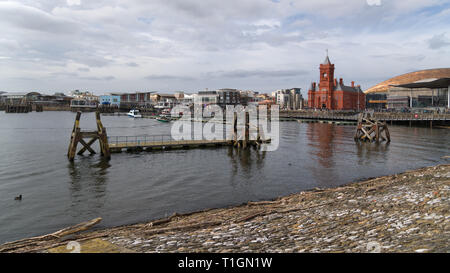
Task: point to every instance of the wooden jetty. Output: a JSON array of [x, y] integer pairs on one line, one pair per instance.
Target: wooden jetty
[[117, 144], [78, 136], [370, 129], [158, 142]]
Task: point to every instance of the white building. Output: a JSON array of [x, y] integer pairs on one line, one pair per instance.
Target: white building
[[289, 99]]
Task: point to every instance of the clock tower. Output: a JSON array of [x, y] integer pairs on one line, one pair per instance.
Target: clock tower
[[326, 83]]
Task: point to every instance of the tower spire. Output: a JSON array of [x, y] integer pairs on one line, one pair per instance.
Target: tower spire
[[327, 59]]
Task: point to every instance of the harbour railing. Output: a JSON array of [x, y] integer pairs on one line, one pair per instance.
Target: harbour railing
[[329, 115], [137, 141]]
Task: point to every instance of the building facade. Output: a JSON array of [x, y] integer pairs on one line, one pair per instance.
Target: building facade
[[289, 99], [332, 94], [111, 99], [137, 99], [228, 96], [388, 95]]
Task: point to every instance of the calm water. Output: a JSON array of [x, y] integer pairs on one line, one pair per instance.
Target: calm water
[[138, 187]]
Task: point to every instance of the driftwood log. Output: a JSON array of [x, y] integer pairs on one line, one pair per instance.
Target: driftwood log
[[34, 241]]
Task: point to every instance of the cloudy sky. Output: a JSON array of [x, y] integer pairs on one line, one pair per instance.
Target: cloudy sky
[[190, 45]]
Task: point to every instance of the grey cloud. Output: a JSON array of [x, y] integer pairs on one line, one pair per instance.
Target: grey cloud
[[31, 18], [258, 73], [64, 74], [107, 78], [168, 77], [248, 43], [438, 41]]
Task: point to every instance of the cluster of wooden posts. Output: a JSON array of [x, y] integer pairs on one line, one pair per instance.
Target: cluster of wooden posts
[[245, 141], [39, 108], [78, 136], [22, 108], [18, 108], [369, 129]]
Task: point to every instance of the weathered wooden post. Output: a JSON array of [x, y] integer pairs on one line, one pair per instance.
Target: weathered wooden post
[[235, 142], [74, 138], [78, 137], [246, 130]]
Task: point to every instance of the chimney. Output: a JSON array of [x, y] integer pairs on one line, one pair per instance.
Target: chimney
[[353, 84], [314, 86], [341, 81], [335, 82]]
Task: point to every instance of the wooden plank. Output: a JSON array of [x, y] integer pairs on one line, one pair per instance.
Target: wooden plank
[[87, 146]]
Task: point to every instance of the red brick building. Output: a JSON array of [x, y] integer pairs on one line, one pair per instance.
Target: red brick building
[[333, 95]]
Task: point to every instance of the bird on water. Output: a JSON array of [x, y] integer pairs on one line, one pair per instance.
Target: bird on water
[[18, 197]]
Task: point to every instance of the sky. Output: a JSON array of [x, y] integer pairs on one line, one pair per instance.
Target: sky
[[189, 45]]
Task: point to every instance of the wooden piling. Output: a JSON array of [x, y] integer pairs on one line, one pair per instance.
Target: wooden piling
[[369, 129], [78, 136], [246, 142]]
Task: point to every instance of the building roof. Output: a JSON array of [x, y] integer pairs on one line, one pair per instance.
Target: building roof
[[342, 87], [412, 77], [20, 94], [327, 61], [436, 83]]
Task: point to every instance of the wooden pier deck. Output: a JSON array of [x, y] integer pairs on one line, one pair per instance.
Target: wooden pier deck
[[148, 143]]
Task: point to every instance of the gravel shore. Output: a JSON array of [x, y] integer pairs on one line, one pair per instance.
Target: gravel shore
[[408, 212]]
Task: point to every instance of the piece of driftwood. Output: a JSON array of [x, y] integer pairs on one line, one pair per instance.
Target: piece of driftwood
[[251, 216], [77, 228], [304, 208], [162, 221], [259, 203], [187, 227], [55, 235]]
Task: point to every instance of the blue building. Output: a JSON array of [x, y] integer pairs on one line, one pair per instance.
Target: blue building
[[112, 99]]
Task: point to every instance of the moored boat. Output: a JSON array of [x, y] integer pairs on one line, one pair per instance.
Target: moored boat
[[163, 119], [134, 113]]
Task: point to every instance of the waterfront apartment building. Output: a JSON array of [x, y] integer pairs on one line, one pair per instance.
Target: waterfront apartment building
[[289, 99], [228, 96], [84, 95], [332, 94], [206, 97], [141, 99], [165, 101], [221, 97], [110, 99]]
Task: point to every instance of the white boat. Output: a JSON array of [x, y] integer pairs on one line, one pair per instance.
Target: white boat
[[165, 113], [134, 114]]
